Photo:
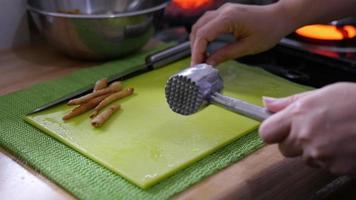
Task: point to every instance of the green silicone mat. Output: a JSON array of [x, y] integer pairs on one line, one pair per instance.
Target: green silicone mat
[[83, 177]]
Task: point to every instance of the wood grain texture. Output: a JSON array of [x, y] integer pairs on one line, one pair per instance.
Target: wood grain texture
[[262, 175], [24, 66], [265, 174]]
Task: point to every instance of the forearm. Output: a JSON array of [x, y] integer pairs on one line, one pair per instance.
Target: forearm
[[303, 12]]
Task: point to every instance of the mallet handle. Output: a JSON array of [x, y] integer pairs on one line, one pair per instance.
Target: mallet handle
[[241, 107]]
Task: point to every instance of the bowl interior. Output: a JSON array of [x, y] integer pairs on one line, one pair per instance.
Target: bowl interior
[[92, 7]]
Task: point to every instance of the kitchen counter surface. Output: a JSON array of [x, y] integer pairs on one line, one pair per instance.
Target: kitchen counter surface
[[263, 175]]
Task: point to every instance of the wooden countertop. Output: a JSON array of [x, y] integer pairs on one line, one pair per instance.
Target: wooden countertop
[[263, 175]]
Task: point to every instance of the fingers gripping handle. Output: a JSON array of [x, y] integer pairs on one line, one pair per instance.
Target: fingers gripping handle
[[241, 107]]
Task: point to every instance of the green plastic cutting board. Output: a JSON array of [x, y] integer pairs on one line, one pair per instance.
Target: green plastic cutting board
[[146, 142]]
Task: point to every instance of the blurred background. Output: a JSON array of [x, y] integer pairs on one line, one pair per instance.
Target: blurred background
[[17, 30], [14, 29], [313, 55]]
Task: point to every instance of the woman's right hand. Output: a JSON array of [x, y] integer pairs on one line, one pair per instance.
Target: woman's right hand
[[256, 29]]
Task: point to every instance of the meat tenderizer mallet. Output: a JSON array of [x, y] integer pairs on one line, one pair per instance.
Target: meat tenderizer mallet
[[190, 90]]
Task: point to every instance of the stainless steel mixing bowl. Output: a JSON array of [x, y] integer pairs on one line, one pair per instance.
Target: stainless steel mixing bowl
[[96, 29]]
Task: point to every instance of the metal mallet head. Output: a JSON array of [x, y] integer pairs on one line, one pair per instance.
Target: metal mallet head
[[193, 88], [190, 90]]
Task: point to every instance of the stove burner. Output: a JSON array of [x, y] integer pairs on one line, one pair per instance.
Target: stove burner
[[336, 39], [192, 5], [327, 32], [187, 12], [340, 50]]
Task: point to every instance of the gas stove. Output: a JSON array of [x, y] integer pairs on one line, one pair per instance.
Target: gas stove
[[304, 66], [315, 55], [301, 57], [289, 59]]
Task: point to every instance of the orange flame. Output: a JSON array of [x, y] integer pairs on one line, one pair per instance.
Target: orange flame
[[192, 4], [327, 32]]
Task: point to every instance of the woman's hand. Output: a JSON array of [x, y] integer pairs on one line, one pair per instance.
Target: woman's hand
[[319, 125], [256, 29]]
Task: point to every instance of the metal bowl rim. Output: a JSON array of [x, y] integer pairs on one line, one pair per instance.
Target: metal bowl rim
[[98, 16]]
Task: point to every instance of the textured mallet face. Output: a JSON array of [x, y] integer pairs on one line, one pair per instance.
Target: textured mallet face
[[183, 95]]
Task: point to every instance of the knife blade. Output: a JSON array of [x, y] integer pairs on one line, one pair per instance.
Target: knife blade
[[152, 61]]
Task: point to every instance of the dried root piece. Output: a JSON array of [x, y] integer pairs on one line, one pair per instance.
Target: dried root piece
[[94, 114], [114, 87], [85, 107], [100, 119], [101, 97], [101, 84], [111, 98]]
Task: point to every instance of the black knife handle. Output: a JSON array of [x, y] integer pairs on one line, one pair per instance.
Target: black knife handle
[[169, 55], [156, 60]]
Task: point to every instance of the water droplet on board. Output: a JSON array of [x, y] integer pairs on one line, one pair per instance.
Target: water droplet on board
[[150, 176]]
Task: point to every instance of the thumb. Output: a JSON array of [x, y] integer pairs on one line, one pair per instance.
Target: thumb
[[278, 104]]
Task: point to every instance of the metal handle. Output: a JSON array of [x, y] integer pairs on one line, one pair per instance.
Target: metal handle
[[241, 107]]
